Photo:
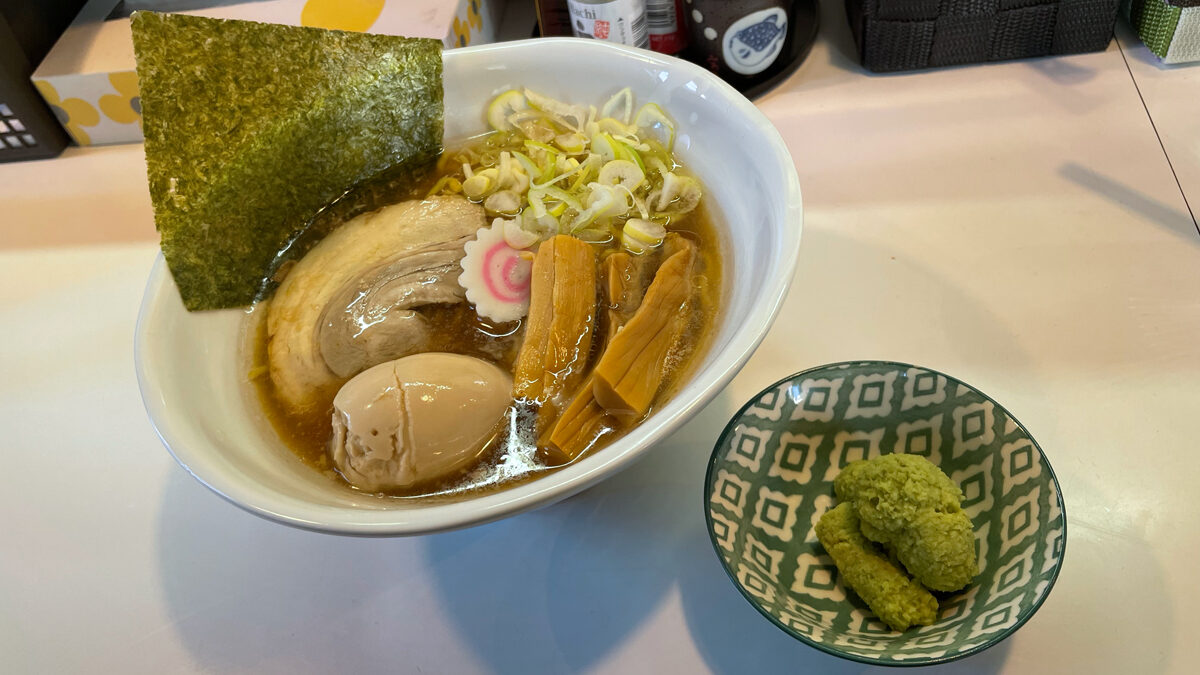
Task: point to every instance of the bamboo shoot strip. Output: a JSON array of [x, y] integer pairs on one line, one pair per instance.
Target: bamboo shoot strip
[[562, 310], [631, 371]]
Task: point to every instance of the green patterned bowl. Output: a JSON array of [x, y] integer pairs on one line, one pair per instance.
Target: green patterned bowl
[[771, 478]]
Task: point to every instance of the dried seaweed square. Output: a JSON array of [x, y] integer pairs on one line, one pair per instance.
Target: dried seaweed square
[[252, 128]]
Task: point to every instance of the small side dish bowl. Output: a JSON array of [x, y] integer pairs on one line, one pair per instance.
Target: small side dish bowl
[[771, 478], [188, 363]]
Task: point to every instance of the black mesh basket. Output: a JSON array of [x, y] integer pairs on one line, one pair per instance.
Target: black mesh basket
[[28, 128], [910, 34]]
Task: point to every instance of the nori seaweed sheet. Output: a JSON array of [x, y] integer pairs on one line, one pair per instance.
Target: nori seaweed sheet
[[406, 180], [252, 129]]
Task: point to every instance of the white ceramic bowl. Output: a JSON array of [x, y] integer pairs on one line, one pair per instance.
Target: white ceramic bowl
[[188, 363]]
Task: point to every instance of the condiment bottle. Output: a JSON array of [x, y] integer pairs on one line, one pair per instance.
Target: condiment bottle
[[622, 21], [666, 25]]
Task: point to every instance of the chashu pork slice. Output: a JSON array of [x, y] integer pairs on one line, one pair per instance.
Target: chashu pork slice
[[353, 300]]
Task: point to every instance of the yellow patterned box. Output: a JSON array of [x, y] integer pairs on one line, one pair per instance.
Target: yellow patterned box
[[89, 81]]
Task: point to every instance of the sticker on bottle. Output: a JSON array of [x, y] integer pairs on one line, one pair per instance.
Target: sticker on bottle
[[753, 42], [664, 21], [622, 21]]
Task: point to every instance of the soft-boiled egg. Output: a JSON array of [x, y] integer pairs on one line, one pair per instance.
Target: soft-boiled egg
[[417, 419]]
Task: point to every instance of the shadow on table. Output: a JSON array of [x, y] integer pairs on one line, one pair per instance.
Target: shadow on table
[[1113, 580], [559, 589], [1062, 71], [555, 590], [835, 30], [834, 45], [734, 638], [593, 570], [1169, 218], [246, 595]]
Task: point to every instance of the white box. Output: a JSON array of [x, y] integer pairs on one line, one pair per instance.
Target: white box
[[89, 76]]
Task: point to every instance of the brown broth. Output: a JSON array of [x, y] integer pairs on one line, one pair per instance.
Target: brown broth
[[507, 461]]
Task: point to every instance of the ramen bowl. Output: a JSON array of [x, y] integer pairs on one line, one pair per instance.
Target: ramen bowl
[[191, 372], [770, 479]]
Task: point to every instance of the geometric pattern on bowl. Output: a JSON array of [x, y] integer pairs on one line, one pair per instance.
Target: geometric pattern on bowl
[[771, 476]]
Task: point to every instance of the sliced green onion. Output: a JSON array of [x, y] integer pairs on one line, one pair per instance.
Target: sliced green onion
[[640, 235], [602, 145], [650, 115], [478, 186], [521, 117], [551, 167], [629, 153], [583, 178], [536, 205], [510, 175], [611, 126], [622, 103], [502, 106], [566, 174], [515, 235], [602, 201], [544, 227], [449, 184], [504, 202], [557, 110], [622, 172], [553, 164], [571, 143], [640, 205], [680, 194], [541, 146], [527, 164], [657, 165], [559, 194]]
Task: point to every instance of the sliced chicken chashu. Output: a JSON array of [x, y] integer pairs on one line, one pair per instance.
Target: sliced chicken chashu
[[348, 303]]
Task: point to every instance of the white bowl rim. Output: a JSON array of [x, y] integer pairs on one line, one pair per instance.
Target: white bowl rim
[[555, 486]]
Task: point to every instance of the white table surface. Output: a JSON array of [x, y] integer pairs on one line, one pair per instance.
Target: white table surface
[[1170, 96], [1015, 225]]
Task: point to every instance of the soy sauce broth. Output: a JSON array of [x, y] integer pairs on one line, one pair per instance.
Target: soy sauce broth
[[511, 458]]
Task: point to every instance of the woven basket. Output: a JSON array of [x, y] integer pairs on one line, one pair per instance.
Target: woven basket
[[909, 34], [1170, 28]]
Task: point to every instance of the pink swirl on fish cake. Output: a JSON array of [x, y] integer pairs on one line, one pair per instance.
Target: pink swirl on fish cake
[[503, 276]]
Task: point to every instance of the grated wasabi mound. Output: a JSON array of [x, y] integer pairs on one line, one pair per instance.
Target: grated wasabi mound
[[907, 504], [899, 516], [897, 600]]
